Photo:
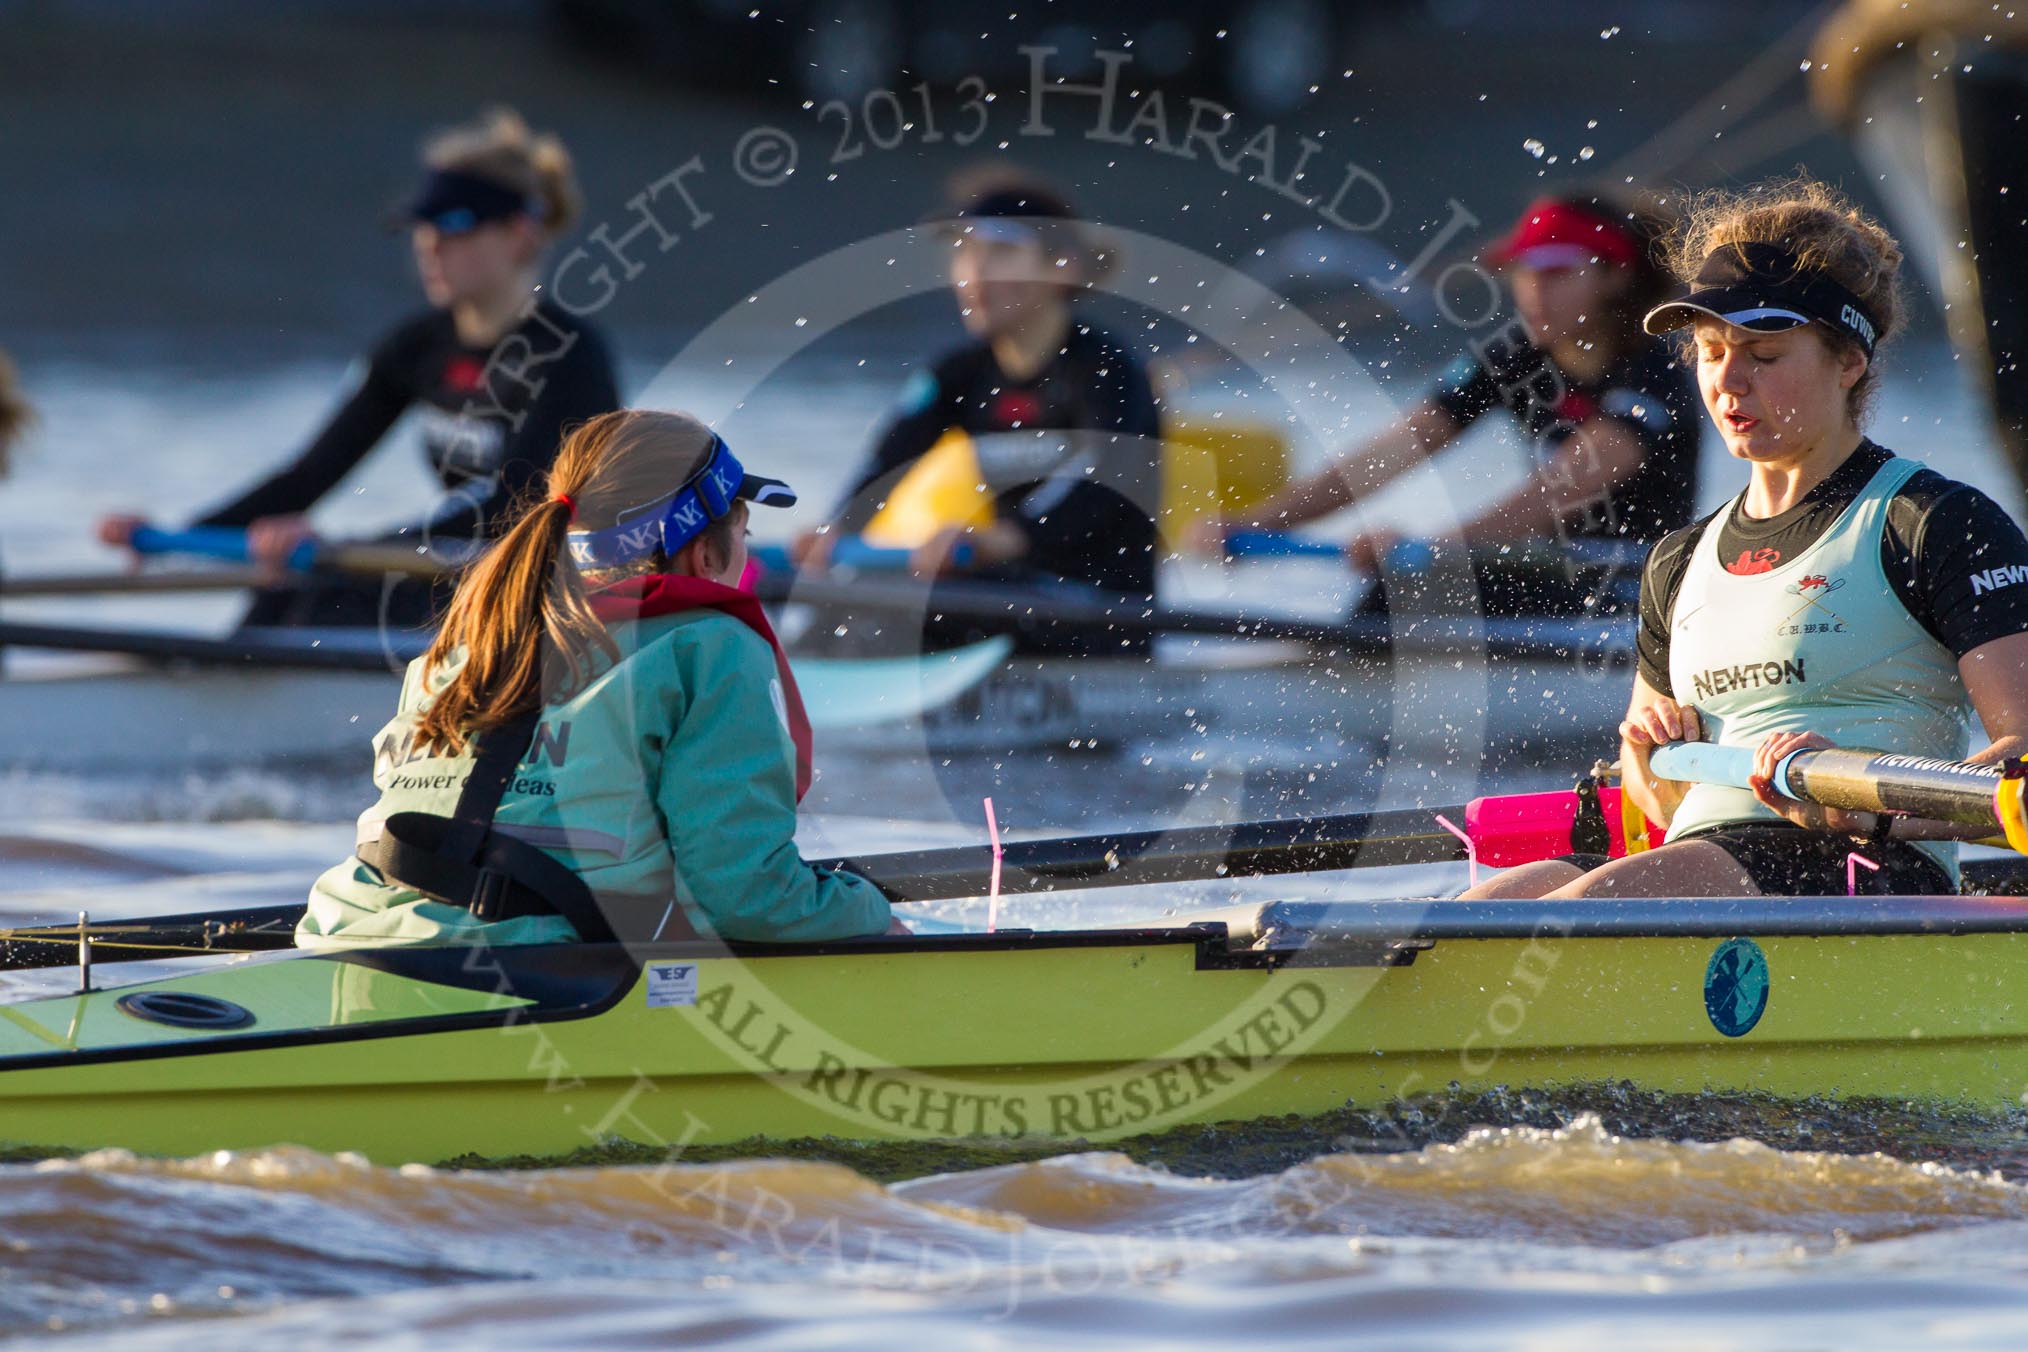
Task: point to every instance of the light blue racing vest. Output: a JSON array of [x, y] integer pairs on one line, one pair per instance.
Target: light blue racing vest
[[1821, 644]]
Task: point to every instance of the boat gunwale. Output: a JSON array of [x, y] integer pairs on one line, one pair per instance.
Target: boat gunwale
[[1263, 937]]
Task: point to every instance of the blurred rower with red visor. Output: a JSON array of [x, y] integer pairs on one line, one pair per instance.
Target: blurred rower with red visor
[[1610, 415]]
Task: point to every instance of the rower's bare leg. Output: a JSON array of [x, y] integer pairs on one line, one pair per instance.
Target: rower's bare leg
[[1527, 881], [1689, 868]]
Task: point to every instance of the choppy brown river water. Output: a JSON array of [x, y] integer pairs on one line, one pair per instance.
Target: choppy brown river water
[[1505, 1236]]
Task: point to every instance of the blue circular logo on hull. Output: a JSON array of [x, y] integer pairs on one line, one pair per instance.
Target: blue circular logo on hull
[[1735, 987]]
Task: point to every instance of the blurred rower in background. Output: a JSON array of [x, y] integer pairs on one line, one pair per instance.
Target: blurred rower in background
[[497, 376], [1611, 413], [15, 412], [1047, 413]]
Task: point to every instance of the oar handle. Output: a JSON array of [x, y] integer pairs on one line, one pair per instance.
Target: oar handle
[[1858, 780], [1409, 555], [851, 551], [1275, 544], [1709, 763], [217, 542]]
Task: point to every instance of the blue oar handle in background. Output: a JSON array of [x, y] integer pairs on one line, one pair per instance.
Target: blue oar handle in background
[[852, 552], [1275, 544], [1412, 555], [217, 542], [1707, 763], [1406, 555]]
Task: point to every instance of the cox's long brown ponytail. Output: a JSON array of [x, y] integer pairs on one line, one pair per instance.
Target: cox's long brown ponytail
[[522, 614]]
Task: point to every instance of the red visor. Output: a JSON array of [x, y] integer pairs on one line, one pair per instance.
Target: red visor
[[1554, 234]]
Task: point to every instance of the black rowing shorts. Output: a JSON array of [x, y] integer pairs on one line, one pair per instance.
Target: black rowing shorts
[[1784, 860]]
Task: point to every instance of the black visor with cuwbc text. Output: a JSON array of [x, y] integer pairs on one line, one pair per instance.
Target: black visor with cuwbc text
[[1763, 288]]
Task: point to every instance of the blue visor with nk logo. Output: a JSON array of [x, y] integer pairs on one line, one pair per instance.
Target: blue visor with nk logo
[[672, 522]]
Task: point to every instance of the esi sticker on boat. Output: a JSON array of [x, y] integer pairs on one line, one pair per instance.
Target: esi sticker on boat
[[671, 984]]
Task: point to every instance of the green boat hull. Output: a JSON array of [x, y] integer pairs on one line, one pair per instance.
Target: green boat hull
[[423, 1055]]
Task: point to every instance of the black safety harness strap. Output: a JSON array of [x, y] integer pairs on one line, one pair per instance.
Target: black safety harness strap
[[462, 860]]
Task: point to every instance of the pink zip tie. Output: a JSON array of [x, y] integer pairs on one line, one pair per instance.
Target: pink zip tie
[[993, 890], [1852, 863], [1471, 849]]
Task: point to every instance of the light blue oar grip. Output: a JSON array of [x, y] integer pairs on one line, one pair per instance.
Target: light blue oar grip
[[215, 542], [1275, 544], [853, 552], [1703, 763], [1706, 763]]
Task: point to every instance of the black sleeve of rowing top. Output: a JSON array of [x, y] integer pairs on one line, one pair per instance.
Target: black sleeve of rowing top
[[1661, 580], [1958, 562], [577, 387], [1115, 510], [928, 408], [379, 398], [1466, 392]]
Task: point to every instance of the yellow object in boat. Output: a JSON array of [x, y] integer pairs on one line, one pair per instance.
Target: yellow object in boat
[[942, 488], [1209, 465]]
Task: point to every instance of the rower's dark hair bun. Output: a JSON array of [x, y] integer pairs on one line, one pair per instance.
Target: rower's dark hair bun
[[1826, 233]]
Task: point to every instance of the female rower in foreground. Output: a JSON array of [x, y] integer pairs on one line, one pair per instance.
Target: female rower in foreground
[[497, 375], [1846, 597], [1611, 414], [640, 743]]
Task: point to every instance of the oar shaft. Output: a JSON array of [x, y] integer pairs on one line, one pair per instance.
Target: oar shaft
[[408, 560], [1915, 786], [276, 650], [124, 584], [169, 936], [1127, 858]]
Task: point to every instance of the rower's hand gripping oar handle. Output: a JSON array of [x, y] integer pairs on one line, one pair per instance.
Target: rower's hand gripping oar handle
[[215, 542], [1986, 796], [1708, 763]]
